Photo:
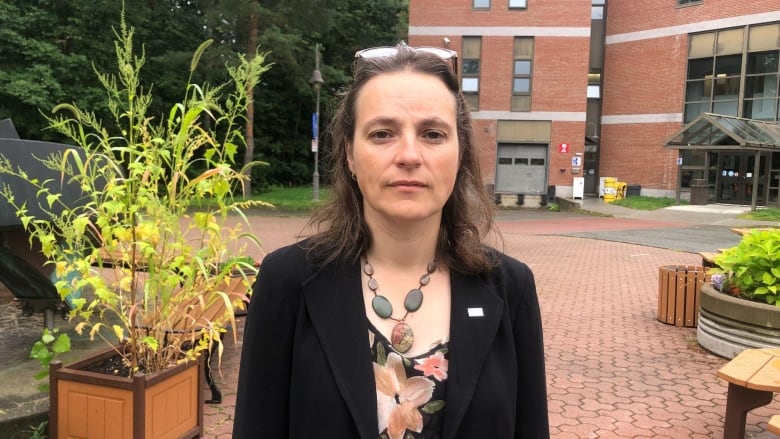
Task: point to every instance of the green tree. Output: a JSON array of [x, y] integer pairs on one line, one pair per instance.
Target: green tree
[[42, 43]]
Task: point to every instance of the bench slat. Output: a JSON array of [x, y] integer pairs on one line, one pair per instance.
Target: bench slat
[[774, 424]]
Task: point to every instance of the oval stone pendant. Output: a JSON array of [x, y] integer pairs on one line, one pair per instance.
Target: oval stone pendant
[[382, 306], [402, 337], [413, 300]]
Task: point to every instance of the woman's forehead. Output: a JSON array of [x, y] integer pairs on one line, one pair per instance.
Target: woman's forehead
[[393, 94]]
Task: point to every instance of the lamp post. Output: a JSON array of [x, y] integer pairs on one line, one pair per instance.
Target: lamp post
[[316, 83]]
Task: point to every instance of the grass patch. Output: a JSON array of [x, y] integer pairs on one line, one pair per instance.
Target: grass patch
[[294, 199], [283, 199], [768, 214], [645, 202]]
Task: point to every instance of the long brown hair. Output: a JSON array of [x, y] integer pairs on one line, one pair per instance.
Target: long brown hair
[[467, 217]]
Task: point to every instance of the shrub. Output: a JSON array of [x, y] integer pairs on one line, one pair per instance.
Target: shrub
[[752, 268]]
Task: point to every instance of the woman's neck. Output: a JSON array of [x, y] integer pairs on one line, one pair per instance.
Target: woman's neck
[[403, 245]]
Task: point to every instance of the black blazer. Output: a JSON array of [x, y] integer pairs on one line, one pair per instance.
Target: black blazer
[[306, 370]]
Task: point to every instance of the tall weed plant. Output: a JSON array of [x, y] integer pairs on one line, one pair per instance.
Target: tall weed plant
[[145, 260]]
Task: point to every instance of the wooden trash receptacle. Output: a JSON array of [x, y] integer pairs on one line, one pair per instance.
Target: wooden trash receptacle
[[679, 288]]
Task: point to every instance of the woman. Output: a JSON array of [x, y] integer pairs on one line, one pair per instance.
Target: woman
[[395, 319]]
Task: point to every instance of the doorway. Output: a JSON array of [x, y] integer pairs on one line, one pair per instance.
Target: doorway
[[735, 177]]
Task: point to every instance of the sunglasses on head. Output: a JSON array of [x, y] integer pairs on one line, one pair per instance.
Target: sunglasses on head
[[385, 51]]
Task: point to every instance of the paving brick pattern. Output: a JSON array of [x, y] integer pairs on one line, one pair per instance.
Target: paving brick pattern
[[613, 370]]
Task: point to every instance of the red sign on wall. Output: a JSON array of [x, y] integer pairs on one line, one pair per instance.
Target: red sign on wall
[[563, 148]]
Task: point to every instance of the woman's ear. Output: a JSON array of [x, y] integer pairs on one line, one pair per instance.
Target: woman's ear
[[350, 162]]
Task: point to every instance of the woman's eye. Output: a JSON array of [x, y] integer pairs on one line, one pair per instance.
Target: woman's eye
[[434, 135], [380, 135]]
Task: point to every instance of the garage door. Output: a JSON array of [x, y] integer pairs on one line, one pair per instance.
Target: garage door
[[521, 169]]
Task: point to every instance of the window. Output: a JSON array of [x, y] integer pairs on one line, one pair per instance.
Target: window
[[718, 83], [594, 84], [761, 85], [472, 52], [762, 78], [597, 10], [480, 4], [522, 71], [518, 4], [689, 2]]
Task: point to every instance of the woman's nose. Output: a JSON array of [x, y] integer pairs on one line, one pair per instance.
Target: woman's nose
[[409, 152]]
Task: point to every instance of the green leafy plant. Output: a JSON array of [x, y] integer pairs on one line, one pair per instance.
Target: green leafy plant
[[144, 258], [39, 431], [752, 267], [51, 345]]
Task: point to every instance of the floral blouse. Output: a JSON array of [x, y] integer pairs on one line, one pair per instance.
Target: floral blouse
[[410, 391]]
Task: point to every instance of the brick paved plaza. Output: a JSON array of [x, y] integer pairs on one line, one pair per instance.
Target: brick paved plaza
[[613, 370]]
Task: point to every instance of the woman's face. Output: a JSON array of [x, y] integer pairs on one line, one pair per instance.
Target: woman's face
[[405, 153]]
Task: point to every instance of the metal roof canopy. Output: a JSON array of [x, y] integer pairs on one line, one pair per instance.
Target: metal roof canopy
[[716, 131]]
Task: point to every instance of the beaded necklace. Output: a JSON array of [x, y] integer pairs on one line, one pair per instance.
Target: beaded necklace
[[402, 337]]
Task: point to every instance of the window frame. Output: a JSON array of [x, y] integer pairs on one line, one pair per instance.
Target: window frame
[[480, 8], [721, 79], [471, 45], [520, 101], [517, 8], [686, 3]]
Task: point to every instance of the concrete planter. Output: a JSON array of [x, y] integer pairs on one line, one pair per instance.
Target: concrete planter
[[728, 325]]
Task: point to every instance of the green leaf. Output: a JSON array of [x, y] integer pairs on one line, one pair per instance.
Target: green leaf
[[61, 345], [39, 351], [47, 336], [151, 342], [381, 355], [433, 406], [52, 198]]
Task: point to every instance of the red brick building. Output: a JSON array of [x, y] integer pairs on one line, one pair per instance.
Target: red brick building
[[566, 93]]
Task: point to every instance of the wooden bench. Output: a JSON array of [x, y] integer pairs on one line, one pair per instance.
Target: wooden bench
[[708, 259], [753, 377], [199, 312], [741, 231], [774, 424]]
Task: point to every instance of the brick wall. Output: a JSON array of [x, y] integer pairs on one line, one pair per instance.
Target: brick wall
[[634, 153], [641, 78], [645, 77], [560, 76], [635, 15], [563, 13]]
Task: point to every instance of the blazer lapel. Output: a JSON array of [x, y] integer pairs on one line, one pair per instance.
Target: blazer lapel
[[335, 303], [476, 315]]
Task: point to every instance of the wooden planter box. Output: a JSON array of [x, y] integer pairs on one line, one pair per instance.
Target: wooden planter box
[[679, 290], [166, 404]]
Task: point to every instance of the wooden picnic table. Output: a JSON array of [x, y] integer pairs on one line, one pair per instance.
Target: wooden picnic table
[[753, 377]]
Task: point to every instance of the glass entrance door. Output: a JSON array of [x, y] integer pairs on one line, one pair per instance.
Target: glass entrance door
[[735, 179]]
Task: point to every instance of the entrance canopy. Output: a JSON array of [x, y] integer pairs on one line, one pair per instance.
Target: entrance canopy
[[714, 131]]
